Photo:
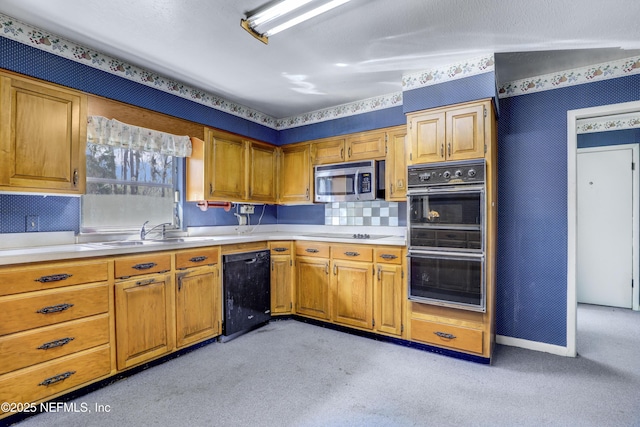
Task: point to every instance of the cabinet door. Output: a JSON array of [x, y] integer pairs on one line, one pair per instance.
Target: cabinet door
[[328, 151], [295, 174], [312, 291], [465, 132], [198, 313], [226, 169], [42, 137], [353, 293], [388, 299], [427, 136], [396, 166], [144, 328], [263, 169], [366, 146], [281, 268]]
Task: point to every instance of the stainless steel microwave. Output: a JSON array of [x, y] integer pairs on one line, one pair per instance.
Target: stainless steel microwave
[[350, 181]]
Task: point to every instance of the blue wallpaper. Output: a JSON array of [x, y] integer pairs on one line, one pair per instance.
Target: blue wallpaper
[[54, 213], [532, 205], [532, 175], [600, 139], [471, 88]]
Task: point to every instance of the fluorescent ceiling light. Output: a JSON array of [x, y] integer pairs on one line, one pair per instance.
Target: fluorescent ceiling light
[[268, 21]]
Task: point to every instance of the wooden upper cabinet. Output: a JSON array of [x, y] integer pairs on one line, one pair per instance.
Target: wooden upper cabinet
[[262, 168], [451, 133], [228, 167], [43, 131], [331, 150], [396, 165], [295, 174], [366, 146]]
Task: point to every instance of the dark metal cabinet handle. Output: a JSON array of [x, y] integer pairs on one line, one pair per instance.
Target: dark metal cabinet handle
[[56, 343], [379, 270], [335, 269], [445, 335], [57, 378], [76, 177], [210, 189], [144, 266], [145, 282], [54, 308], [442, 150], [312, 250], [198, 258], [53, 278], [279, 249], [449, 149], [326, 268], [348, 253], [388, 256]]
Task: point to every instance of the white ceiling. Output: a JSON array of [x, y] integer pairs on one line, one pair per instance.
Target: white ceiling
[[201, 43]]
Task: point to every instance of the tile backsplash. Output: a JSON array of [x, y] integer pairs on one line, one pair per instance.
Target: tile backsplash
[[377, 212]]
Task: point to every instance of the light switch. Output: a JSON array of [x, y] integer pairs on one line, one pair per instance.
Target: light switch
[[32, 223]]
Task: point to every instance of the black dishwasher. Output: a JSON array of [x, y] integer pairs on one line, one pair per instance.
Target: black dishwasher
[[247, 292]]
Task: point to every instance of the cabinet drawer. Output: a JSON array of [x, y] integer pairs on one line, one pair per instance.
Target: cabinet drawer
[[440, 334], [27, 279], [352, 253], [314, 249], [196, 257], [389, 255], [46, 379], [40, 345], [33, 310], [280, 248], [143, 264]]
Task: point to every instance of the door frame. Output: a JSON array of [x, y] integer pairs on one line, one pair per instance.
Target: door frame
[[572, 203], [635, 206]]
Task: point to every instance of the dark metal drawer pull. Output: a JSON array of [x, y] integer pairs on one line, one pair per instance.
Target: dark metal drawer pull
[[144, 266], [57, 378], [53, 278], [388, 256], [279, 249], [56, 343], [444, 335], [54, 308], [145, 282], [312, 251], [352, 254], [198, 258]]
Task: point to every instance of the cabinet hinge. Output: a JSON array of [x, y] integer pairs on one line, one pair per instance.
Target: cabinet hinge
[[290, 305], [485, 148], [402, 327], [373, 323], [386, 138], [410, 156], [410, 125], [631, 283], [633, 166], [402, 274], [290, 263], [485, 111]]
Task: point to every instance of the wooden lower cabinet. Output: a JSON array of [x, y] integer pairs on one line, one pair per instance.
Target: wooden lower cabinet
[[388, 299], [144, 319], [312, 290], [198, 305], [352, 285], [281, 278]]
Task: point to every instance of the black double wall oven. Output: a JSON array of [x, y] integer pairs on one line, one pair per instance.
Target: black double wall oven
[[446, 234]]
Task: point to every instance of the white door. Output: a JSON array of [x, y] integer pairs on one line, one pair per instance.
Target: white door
[[605, 226]]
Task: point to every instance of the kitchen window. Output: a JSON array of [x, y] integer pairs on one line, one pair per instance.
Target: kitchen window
[[131, 177]]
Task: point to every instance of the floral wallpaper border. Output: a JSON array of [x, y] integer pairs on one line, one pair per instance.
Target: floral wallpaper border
[[603, 124], [591, 73], [454, 71], [18, 31]]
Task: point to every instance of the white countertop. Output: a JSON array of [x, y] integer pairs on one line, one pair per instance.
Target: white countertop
[[58, 246]]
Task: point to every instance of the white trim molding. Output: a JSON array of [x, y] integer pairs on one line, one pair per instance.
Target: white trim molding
[[532, 345], [572, 202]]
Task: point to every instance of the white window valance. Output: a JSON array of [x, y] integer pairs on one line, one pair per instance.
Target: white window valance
[[103, 131]]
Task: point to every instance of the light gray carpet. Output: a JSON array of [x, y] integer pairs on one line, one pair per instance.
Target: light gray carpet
[[290, 373]]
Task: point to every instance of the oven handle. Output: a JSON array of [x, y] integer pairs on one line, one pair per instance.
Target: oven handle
[[356, 185], [447, 254], [446, 189]]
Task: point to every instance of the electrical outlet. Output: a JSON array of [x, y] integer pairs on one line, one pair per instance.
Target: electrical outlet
[[247, 209], [32, 223]]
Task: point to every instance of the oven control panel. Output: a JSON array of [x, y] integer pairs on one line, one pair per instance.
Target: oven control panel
[[462, 172]]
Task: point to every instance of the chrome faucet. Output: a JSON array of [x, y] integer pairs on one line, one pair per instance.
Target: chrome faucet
[[143, 232]]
